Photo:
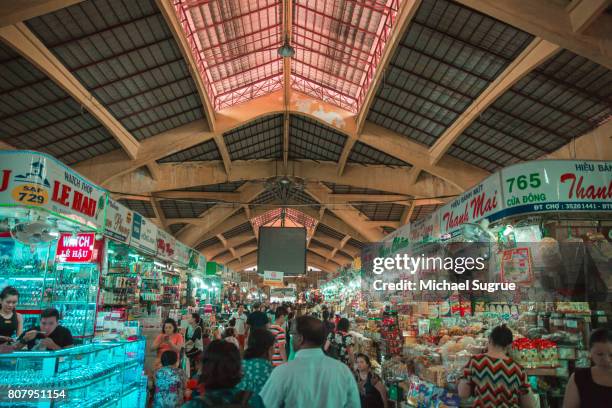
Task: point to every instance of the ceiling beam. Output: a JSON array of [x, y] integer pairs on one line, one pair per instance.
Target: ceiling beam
[[216, 249], [191, 234], [583, 13], [169, 13], [192, 174], [103, 168], [12, 12], [454, 171], [334, 243], [407, 214], [530, 58], [25, 42], [321, 252], [340, 245], [238, 253], [154, 170], [595, 145], [348, 213], [159, 214], [384, 198], [552, 22], [227, 161], [407, 10], [287, 29], [346, 151], [199, 195]]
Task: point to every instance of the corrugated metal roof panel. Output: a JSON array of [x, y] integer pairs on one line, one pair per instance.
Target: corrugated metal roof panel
[[447, 57], [206, 151], [174, 228], [364, 154], [381, 211], [260, 139], [124, 53], [219, 188], [310, 139], [37, 114], [144, 208], [234, 232], [184, 208]]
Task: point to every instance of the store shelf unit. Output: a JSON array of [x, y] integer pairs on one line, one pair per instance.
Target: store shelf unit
[[73, 292], [92, 375]]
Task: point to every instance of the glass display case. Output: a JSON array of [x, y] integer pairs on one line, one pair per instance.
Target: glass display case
[[25, 268], [92, 375], [74, 292]]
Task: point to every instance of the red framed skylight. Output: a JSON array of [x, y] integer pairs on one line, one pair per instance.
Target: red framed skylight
[[338, 46]]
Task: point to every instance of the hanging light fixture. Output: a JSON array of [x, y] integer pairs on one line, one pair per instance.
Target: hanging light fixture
[[286, 50]]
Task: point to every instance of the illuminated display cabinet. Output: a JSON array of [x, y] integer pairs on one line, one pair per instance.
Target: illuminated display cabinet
[[92, 375]]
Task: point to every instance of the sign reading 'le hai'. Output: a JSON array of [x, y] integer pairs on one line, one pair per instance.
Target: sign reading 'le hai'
[[32, 179]]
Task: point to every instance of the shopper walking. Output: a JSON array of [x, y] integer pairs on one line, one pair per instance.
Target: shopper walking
[[494, 379], [257, 318], [256, 366], [339, 344], [11, 322], [328, 322], [168, 340], [241, 320], [229, 335], [372, 391], [170, 382], [312, 379], [221, 373], [592, 387], [193, 340], [280, 352]]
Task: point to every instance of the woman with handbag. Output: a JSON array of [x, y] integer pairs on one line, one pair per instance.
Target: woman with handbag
[[193, 340]]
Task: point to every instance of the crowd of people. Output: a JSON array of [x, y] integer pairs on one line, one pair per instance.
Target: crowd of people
[[272, 358]]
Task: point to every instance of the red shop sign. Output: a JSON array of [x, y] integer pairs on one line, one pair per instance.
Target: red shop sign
[[76, 249]]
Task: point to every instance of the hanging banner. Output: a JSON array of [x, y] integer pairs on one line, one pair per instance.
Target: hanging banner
[[555, 185], [194, 258], [516, 266], [273, 279], [166, 245], [475, 204], [144, 234], [33, 179], [118, 221], [202, 264]]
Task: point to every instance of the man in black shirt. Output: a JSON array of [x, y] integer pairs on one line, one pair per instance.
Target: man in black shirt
[[49, 335], [257, 319]]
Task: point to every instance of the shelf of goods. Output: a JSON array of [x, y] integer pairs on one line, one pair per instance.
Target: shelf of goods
[[92, 375], [549, 343]]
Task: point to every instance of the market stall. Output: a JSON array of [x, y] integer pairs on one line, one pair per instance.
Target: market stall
[[543, 226], [51, 221]]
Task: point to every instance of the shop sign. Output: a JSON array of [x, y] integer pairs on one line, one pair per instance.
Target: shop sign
[[76, 248], [194, 259], [273, 279], [33, 179], [556, 185], [144, 234], [118, 221], [397, 241], [166, 244], [426, 229], [182, 253], [475, 204]]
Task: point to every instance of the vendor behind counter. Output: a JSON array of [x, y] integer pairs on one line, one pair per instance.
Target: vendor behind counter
[[50, 335]]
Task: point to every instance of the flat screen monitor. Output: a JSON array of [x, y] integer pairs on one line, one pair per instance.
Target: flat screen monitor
[[282, 249]]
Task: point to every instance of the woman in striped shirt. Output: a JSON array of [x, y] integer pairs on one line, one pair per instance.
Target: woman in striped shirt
[[494, 379], [280, 352]]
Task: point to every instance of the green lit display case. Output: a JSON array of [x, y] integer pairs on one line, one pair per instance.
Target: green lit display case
[[25, 268], [92, 375], [73, 291]]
